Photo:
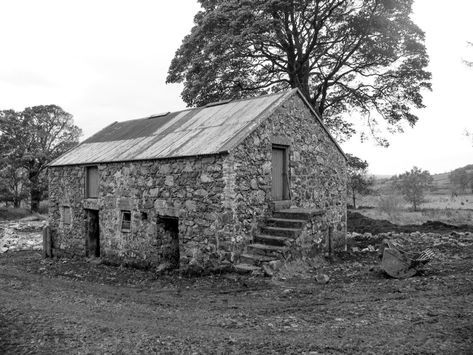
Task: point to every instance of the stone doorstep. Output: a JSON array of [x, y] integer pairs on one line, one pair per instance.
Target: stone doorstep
[[298, 213], [281, 205]]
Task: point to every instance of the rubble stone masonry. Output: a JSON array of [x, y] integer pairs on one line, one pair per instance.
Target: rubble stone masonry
[[317, 174], [219, 200], [188, 188]]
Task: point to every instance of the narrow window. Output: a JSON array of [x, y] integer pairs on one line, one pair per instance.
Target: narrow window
[[126, 221], [66, 215], [92, 182]]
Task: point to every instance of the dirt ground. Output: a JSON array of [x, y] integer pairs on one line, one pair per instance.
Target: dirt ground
[[357, 222], [75, 306]]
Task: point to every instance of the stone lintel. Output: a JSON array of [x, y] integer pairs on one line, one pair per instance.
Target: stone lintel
[[124, 204], [282, 140], [91, 204]]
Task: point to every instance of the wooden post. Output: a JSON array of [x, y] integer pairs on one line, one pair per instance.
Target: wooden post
[[47, 252], [330, 234]]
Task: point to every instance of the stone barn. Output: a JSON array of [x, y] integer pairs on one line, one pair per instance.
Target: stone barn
[[243, 182]]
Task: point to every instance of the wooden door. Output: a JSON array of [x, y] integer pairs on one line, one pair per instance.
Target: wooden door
[[279, 174]]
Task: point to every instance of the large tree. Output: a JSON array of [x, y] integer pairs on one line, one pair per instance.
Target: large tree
[[344, 55], [30, 139], [358, 180], [13, 183], [413, 185]]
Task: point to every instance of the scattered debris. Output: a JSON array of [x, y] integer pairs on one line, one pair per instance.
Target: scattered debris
[[399, 264], [21, 235]]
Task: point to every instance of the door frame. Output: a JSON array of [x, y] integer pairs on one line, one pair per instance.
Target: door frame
[[286, 188]]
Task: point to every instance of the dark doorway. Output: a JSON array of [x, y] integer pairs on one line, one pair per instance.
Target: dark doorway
[[92, 233], [168, 239], [279, 173]]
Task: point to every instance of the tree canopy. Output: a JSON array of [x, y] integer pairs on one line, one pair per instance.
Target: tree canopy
[[30, 139], [413, 185], [344, 55]]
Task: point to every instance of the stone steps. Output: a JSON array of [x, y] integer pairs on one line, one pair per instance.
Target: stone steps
[[271, 243], [285, 223], [271, 240], [297, 213], [266, 249], [243, 268], [255, 259], [281, 232]]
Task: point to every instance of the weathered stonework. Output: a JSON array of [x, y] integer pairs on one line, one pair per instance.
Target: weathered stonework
[[190, 189], [317, 173], [219, 199]]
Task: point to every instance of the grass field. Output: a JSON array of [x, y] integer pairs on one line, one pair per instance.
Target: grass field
[[439, 205]]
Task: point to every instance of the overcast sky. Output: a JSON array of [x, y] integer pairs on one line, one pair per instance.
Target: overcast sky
[[106, 61]]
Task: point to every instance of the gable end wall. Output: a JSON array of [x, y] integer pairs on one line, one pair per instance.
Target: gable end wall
[[317, 171]]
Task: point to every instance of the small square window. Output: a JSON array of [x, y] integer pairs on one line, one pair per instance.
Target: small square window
[[126, 221], [66, 215]]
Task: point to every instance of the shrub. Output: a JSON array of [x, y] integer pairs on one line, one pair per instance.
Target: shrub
[[390, 204]]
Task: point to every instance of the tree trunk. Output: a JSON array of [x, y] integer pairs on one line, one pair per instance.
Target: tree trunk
[[35, 192], [354, 199], [35, 199]]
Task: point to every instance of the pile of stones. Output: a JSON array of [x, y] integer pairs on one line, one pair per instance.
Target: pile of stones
[[20, 235]]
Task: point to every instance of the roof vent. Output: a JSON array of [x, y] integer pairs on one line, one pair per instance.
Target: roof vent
[[162, 114], [223, 102]]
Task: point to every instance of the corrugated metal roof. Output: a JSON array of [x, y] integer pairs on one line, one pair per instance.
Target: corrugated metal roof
[[199, 131], [205, 130]]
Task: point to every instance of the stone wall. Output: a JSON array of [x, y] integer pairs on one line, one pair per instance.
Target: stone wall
[[317, 170], [219, 200], [66, 189], [188, 188]]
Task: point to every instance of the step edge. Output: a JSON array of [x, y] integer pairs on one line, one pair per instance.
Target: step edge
[[283, 228], [266, 246]]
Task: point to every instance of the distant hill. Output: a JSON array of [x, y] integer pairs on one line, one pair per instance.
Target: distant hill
[[441, 185]]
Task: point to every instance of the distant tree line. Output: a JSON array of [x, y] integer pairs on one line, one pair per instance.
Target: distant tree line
[[462, 179], [29, 140]]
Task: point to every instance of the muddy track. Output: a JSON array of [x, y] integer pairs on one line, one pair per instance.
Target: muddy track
[[71, 306]]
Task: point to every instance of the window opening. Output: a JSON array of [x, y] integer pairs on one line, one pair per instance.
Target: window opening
[[66, 215], [126, 221], [92, 182]]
